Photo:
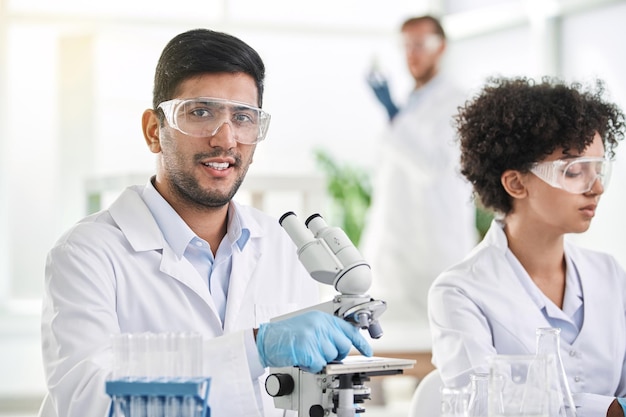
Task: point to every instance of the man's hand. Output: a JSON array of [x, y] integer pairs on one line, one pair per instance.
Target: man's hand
[[309, 340]]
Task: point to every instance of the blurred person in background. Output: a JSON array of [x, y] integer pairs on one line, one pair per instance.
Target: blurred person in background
[[422, 218]]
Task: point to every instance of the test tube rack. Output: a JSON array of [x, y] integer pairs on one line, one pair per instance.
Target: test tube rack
[[153, 398]]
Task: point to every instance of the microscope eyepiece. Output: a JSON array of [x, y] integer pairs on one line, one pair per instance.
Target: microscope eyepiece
[[284, 216], [311, 217]]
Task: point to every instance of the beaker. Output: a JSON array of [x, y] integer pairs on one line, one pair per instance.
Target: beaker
[[561, 400], [453, 402], [478, 404], [518, 386]]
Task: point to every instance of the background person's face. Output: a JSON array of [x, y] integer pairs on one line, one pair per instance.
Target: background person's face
[[423, 49]]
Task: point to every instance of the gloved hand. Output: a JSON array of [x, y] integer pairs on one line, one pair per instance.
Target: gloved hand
[[379, 85], [309, 340]]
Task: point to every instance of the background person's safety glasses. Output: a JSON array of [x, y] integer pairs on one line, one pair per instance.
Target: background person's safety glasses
[[577, 175], [204, 116]]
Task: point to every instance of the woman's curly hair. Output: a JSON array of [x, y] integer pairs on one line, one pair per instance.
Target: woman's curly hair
[[514, 122]]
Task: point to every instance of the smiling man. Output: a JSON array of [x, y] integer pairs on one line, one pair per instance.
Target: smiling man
[[179, 255]]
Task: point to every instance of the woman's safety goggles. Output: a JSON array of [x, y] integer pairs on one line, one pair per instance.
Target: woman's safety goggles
[[576, 176], [205, 116]]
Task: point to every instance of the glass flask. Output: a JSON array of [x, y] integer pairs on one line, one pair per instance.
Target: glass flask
[[478, 404], [518, 386], [561, 400], [453, 402]]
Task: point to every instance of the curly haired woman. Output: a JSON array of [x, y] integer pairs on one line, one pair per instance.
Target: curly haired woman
[[538, 153]]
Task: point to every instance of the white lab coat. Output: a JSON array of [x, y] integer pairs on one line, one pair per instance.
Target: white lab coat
[[479, 308], [114, 272], [422, 217]]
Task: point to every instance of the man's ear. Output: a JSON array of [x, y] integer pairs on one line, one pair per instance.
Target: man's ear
[[151, 126], [514, 184]]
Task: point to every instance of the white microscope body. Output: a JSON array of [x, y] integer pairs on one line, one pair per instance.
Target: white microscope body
[[331, 258]]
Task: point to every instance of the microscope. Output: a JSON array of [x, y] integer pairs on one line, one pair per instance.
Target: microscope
[[339, 389]]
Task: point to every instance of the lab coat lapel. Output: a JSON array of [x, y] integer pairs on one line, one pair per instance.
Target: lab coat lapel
[[244, 264], [142, 232], [591, 289], [517, 313], [183, 271]]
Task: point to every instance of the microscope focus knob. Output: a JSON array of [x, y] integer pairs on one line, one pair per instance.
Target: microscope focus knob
[[317, 411], [278, 385]]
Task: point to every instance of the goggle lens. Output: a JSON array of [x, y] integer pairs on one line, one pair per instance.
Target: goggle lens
[[576, 176], [204, 116]]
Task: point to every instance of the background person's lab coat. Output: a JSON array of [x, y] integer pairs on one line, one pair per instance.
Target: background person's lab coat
[[115, 273], [422, 217]]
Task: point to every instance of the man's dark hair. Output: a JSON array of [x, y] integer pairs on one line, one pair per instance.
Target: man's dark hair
[[202, 51], [512, 123], [437, 27]]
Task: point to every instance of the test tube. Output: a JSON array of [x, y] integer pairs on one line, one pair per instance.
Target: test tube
[[170, 356], [190, 354], [121, 351], [155, 406], [172, 406], [138, 350]]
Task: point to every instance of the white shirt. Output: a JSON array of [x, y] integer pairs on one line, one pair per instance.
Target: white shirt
[[115, 272], [198, 251], [480, 307]]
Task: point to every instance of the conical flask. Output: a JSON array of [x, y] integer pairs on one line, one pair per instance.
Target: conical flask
[[478, 404], [561, 400]]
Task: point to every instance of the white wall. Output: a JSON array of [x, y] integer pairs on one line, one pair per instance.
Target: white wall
[[593, 48]]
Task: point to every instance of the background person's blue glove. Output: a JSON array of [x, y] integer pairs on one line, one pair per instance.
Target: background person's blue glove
[[379, 85], [309, 340]]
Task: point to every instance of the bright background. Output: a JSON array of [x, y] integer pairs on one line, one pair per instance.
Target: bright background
[[75, 77]]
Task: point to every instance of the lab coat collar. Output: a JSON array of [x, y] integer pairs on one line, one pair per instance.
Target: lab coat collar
[[175, 231], [579, 271], [495, 238], [142, 232], [137, 224], [498, 277], [135, 220]]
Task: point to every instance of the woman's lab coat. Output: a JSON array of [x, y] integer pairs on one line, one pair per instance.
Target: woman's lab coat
[[114, 272], [479, 308]]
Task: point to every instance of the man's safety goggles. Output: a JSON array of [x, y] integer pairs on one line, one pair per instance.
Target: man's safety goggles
[[576, 176], [204, 116]]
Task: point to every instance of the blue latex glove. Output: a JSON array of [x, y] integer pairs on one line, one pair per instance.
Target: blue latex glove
[[379, 85], [309, 340]]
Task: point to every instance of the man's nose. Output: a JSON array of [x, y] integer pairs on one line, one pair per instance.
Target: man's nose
[[223, 136]]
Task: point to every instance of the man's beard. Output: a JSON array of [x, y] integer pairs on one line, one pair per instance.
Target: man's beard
[[187, 188]]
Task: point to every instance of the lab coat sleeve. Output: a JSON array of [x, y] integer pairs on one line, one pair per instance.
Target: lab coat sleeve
[[460, 332], [77, 320]]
